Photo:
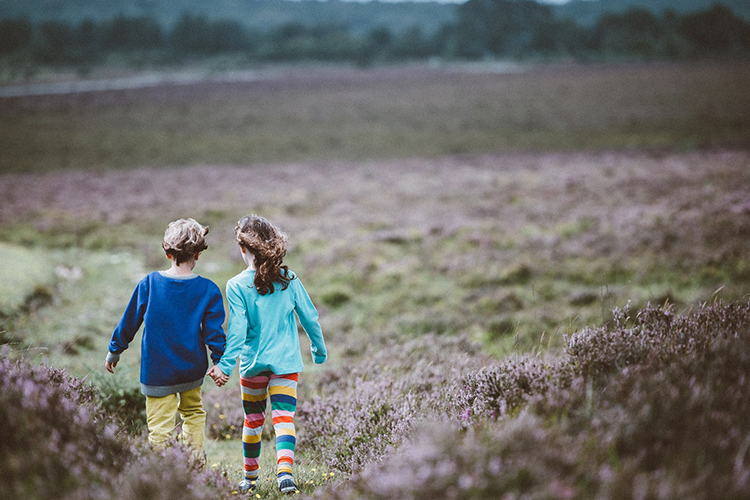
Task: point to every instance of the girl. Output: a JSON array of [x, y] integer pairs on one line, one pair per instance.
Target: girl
[[263, 332]]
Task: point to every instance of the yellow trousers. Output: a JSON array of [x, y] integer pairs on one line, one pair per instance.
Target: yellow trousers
[[160, 414]]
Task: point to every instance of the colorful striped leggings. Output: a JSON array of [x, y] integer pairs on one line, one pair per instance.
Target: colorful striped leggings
[[283, 392]]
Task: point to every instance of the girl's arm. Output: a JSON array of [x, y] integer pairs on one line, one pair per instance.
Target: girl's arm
[[236, 329], [308, 318]]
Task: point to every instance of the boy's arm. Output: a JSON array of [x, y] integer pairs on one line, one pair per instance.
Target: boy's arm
[[236, 329], [213, 321], [308, 318], [129, 324]]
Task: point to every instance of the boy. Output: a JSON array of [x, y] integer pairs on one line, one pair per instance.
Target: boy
[[181, 313]]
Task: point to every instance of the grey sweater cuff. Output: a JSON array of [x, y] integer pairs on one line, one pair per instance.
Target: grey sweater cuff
[[112, 357]]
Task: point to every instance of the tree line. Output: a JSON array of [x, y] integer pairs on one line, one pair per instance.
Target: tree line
[[483, 29]]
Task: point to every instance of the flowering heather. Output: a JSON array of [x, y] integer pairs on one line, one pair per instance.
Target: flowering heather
[[52, 441], [363, 408], [653, 405], [55, 443]]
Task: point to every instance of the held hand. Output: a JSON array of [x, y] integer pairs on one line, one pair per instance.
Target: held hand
[[110, 366], [218, 376]]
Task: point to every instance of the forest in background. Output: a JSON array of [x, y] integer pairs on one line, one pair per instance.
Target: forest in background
[[587, 12], [272, 31]]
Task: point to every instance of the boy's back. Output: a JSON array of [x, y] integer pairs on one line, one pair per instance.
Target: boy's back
[[180, 316]]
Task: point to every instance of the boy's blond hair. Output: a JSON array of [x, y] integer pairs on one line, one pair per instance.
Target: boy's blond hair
[[184, 239]]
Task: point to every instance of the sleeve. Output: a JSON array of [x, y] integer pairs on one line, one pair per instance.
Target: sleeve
[[308, 318], [130, 322], [236, 329], [212, 327]]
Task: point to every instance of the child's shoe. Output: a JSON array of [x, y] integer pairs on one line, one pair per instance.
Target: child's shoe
[[286, 484], [246, 485]]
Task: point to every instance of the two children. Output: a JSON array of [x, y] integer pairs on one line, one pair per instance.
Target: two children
[[182, 313]]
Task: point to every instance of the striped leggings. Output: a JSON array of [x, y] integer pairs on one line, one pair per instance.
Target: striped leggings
[[282, 390]]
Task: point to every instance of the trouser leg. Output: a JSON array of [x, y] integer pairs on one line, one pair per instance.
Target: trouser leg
[[160, 415], [282, 390], [254, 394], [193, 419]]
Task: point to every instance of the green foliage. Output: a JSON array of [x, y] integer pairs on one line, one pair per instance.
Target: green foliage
[[255, 16], [300, 31], [16, 35], [121, 398], [587, 13]]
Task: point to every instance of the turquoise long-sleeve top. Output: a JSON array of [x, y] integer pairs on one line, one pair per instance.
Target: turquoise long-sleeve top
[[262, 329]]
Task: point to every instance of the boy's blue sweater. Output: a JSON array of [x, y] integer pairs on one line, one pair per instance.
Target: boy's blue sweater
[[180, 317]]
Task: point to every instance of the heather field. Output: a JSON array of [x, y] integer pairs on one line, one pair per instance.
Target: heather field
[[532, 284], [307, 114]]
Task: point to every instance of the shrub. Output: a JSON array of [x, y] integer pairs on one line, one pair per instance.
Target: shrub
[[167, 473], [52, 441], [364, 408], [653, 405], [122, 399], [56, 443]]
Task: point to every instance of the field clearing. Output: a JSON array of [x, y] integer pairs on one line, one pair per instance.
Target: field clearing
[[347, 114], [511, 249]]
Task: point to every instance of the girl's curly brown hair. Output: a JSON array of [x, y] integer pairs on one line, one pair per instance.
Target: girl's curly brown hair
[[267, 243]]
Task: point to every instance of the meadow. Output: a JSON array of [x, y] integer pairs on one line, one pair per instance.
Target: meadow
[[307, 114], [505, 263]]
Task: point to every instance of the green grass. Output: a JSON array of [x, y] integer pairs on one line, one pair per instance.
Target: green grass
[[309, 474], [25, 274]]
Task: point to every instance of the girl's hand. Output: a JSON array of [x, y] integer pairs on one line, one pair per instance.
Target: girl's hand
[[110, 366], [219, 377]]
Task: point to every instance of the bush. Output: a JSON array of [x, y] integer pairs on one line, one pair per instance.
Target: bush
[[653, 405], [364, 408], [52, 441], [56, 443], [122, 400]]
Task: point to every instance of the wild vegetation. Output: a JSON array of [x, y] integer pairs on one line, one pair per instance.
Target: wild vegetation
[[507, 314], [363, 34]]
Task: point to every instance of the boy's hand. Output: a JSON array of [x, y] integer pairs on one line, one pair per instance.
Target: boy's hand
[[220, 378], [110, 366]]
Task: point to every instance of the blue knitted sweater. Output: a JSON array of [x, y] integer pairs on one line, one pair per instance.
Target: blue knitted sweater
[[180, 317]]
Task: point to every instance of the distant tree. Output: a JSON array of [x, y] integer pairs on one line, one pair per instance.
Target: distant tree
[[335, 42], [86, 40], [672, 44], [191, 35], [290, 41], [133, 33], [572, 39], [633, 32], [502, 27], [15, 34], [715, 31], [376, 45], [411, 44], [228, 35], [54, 43]]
